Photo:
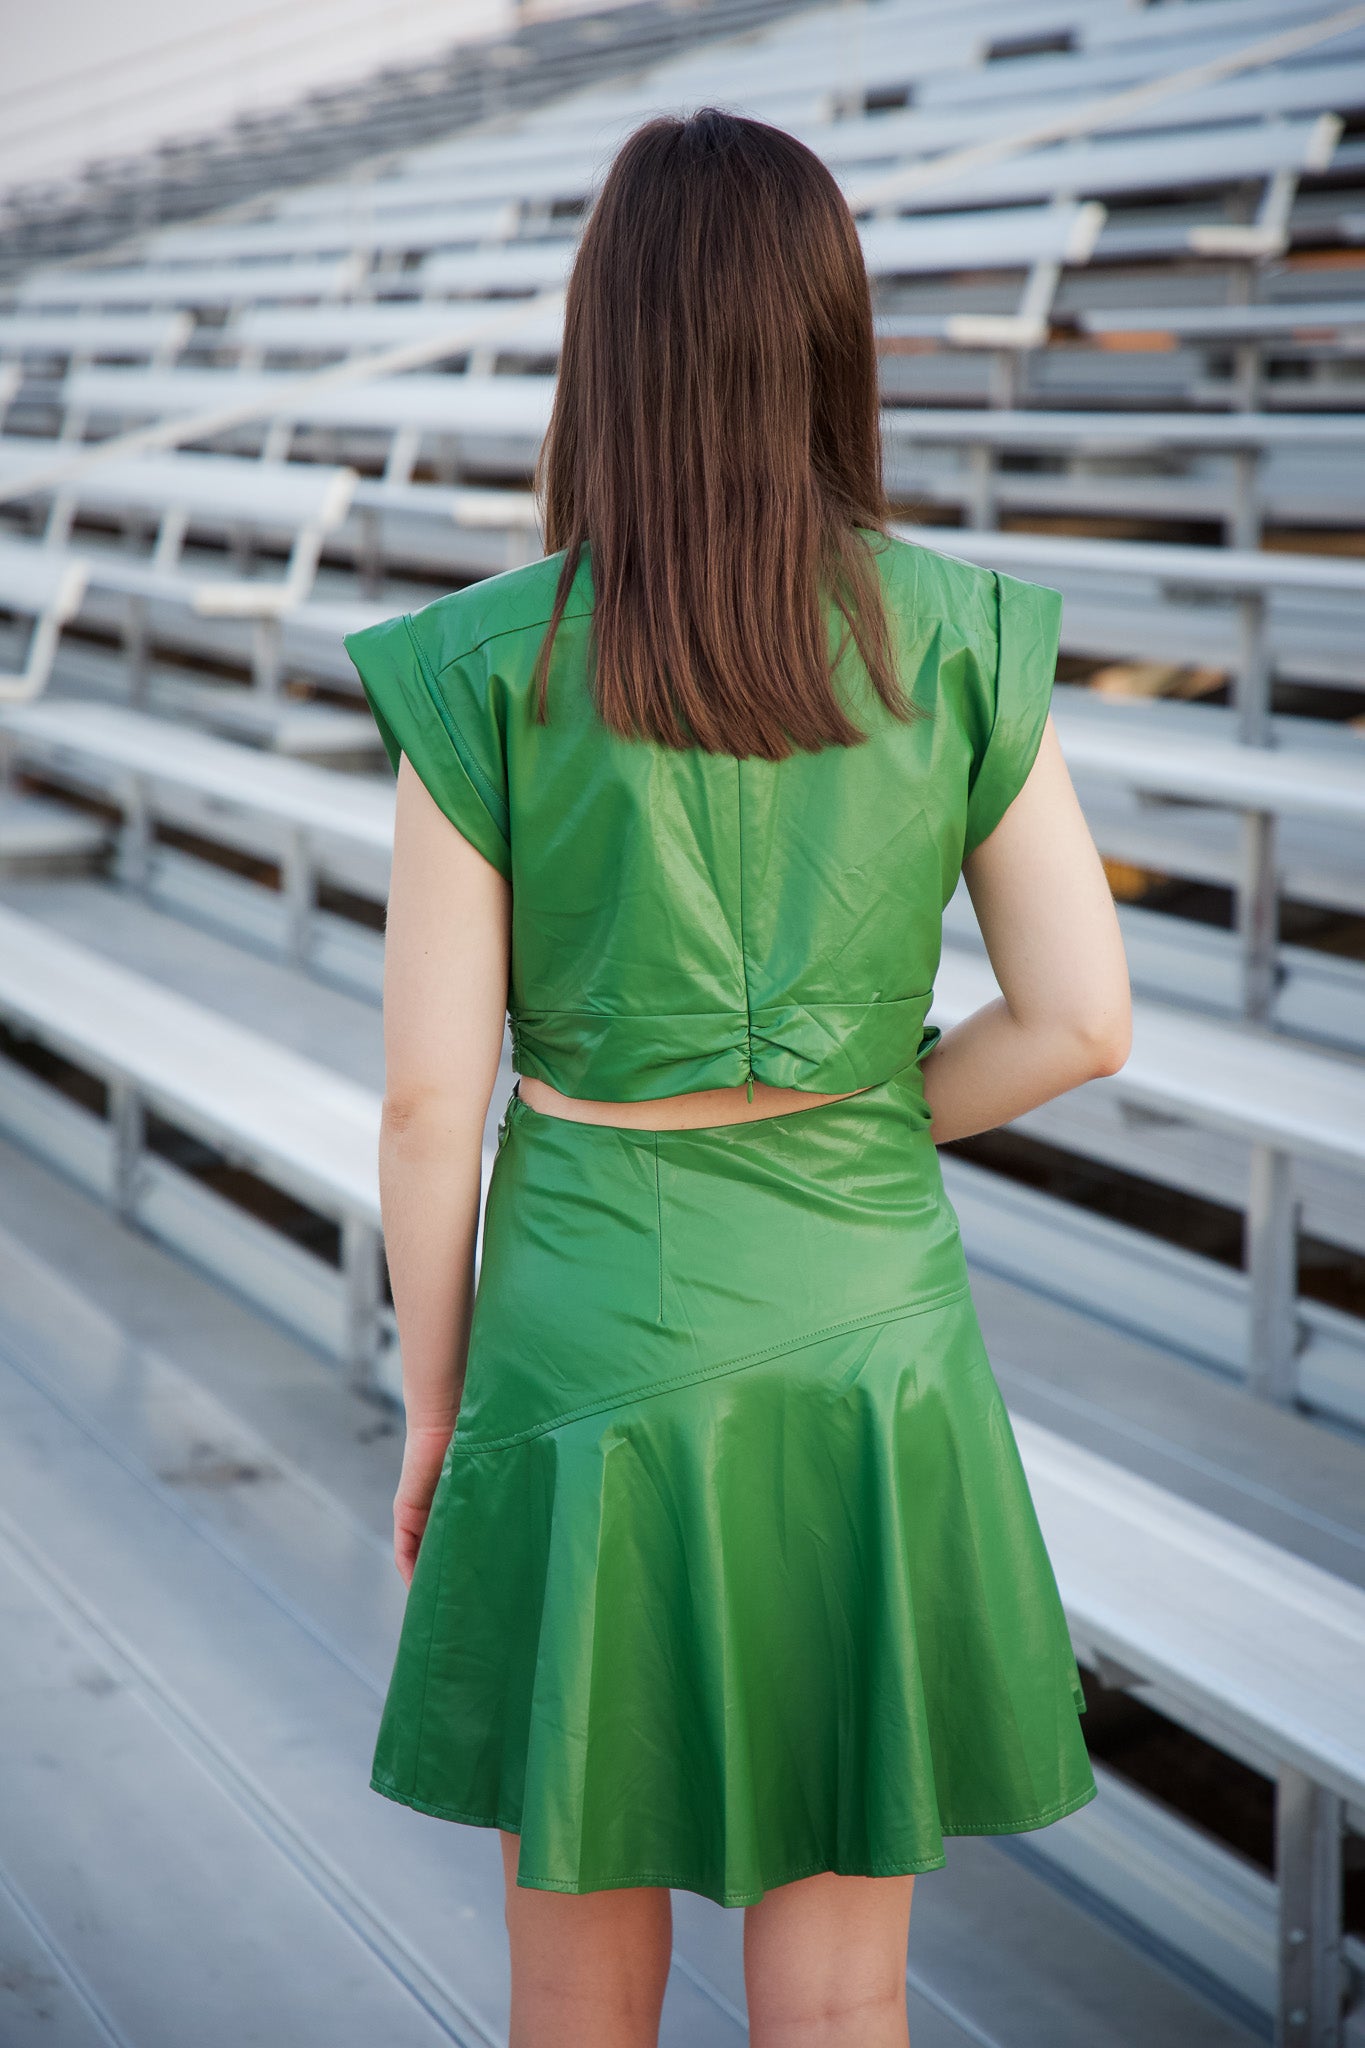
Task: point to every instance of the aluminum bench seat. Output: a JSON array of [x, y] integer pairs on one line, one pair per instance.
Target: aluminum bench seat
[[298, 1126], [449, 218], [86, 336], [187, 285], [374, 324], [478, 406]]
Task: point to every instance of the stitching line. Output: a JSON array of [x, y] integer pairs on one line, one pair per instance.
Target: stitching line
[[431, 1640], [659, 1223], [506, 632], [704, 1372], [743, 944], [650, 1016]]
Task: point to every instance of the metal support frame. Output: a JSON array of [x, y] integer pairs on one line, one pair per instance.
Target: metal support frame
[[1006, 379], [266, 643], [1308, 1831], [1244, 524], [982, 510], [298, 882], [1248, 376], [1270, 1237], [404, 449], [135, 647], [128, 1129], [369, 553], [1252, 692], [133, 864], [1257, 915], [361, 1253], [1258, 883]]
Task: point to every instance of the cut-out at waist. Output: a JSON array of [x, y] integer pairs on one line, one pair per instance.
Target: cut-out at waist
[[706, 1107]]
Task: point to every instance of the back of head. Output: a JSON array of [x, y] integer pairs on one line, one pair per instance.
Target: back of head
[[715, 442]]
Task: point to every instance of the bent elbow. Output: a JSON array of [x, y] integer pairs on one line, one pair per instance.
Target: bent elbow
[[409, 1112], [1104, 1043]]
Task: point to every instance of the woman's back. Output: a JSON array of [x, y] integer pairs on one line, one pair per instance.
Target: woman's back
[[687, 921]]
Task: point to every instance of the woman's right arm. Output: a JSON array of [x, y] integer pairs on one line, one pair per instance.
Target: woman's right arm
[[1047, 915]]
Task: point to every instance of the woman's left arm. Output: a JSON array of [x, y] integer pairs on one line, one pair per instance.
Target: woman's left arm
[[446, 951]]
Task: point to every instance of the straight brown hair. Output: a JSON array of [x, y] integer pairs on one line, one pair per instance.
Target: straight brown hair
[[715, 444]]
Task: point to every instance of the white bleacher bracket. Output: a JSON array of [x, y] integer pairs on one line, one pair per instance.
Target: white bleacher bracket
[[268, 603], [1027, 327], [53, 608], [1268, 234]]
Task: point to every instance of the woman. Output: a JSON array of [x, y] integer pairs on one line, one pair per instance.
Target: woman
[[729, 1578]]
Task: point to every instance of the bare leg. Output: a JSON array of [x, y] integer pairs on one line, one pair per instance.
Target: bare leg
[[588, 1969], [824, 1963]]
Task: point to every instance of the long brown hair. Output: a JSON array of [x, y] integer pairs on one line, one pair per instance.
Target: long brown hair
[[715, 444]]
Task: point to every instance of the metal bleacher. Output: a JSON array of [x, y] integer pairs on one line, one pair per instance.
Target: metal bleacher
[[1118, 255]]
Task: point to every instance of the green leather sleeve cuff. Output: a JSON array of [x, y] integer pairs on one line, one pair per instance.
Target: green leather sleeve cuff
[[1029, 632], [414, 717]]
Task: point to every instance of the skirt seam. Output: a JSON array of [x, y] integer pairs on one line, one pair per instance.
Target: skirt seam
[[426, 1667], [704, 1372]]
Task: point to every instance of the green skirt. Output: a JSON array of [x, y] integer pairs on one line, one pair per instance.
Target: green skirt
[[732, 1572]]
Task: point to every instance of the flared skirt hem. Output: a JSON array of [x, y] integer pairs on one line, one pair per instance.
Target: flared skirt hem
[[747, 1896]]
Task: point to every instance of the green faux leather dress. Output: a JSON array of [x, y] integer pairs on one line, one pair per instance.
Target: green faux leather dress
[[732, 1572]]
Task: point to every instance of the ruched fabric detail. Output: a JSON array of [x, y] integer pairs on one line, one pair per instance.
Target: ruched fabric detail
[[824, 1048]]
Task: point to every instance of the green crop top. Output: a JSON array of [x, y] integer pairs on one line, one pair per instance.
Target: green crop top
[[684, 920]]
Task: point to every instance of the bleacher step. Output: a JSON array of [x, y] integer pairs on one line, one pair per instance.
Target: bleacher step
[[113, 1434], [333, 734], [217, 1934], [40, 837], [1284, 1476], [337, 1029]]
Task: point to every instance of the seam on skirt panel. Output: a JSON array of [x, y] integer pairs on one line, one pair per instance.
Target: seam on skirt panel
[[431, 1639], [705, 1372], [659, 1223]]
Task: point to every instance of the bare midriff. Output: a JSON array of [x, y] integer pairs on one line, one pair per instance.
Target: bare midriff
[[675, 1112]]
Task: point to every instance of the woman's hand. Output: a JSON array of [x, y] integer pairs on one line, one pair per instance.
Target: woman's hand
[[423, 1456]]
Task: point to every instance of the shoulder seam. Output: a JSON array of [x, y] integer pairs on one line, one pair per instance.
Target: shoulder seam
[[505, 632]]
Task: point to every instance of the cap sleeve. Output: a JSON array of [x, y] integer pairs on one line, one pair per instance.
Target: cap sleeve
[[445, 724], [1027, 638]]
